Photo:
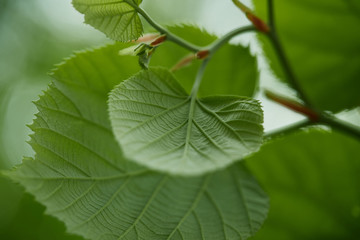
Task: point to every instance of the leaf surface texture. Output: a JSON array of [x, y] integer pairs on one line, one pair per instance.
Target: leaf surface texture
[[118, 19], [81, 176], [160, 126]]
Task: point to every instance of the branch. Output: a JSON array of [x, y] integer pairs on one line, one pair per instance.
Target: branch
[[293, 105], [169, 36], [286, 67], [315, 117], [224, 39], [287, 129], [271, 19], [273, 36], [340, 125]]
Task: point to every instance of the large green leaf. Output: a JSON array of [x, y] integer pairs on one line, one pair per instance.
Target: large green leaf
[[160, 126], [321, 39], [81, 177], [232, 70], [118, 19], [314, 184]]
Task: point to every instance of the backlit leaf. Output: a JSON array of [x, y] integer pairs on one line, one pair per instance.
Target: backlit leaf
[[160, 126]]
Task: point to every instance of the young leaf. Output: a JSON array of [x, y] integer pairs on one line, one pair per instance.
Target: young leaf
[[321, 39], [313, 182], [80, 175], [160, 126], [117, 19]]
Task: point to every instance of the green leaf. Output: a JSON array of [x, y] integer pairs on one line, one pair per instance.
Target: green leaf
[[231, 71], [21, 218], [314, 185], [160, 126], [81, 177], [117, 19], [321, 40]]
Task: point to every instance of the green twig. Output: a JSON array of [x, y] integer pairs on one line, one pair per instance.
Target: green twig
[[170, 36], [340, 125], [325, 119], [315, 117], [224, 39], [211, 49], [286, 66], [287, 129], [273, 36], [271, 15]]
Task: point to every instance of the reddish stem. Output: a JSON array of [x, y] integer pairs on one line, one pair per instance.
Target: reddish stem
[[258, 23], [202, 54], [295, 106]]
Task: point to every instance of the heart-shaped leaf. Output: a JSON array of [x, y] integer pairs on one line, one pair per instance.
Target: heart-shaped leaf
[[160, 126]]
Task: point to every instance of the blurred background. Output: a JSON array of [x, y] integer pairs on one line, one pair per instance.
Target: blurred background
[[34, 36]]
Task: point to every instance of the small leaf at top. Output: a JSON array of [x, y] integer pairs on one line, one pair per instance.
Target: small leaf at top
[[118, 19], [160, 126]]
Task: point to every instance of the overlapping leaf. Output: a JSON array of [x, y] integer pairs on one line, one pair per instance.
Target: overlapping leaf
[[160, 126], [314, 184], [80, 175], [321, 39], [118, 19]]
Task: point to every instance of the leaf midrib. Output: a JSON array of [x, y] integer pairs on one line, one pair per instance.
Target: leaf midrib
[[194, 204], [189, 127], [152, 197], [113, 177]]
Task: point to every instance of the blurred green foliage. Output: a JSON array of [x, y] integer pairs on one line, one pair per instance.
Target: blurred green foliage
[[30, 46], [313, 183]]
